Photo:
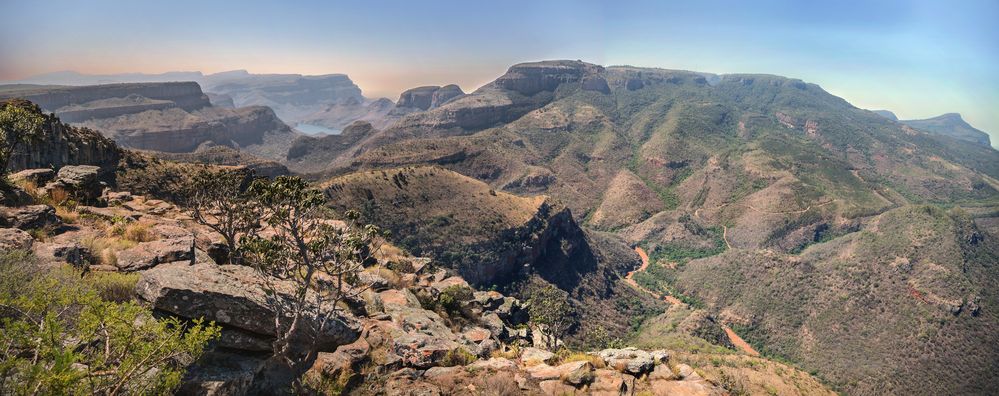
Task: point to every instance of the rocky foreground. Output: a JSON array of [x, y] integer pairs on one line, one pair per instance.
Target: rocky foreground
[[397, 338]]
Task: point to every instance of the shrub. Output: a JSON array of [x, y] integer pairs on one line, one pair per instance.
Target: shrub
[[452, 296], [66, 339], [138, 232], [458, 357], [567, 356]]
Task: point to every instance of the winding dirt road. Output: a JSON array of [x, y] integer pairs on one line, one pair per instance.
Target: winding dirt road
[[732, 336]]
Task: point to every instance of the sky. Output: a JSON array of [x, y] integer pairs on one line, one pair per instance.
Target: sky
[[916, 58]]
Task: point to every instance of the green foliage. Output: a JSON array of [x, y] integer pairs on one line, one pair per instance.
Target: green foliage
[[19, 122], [452, 296], [551, 313], [60, 337], [218, 200], [458, 357]]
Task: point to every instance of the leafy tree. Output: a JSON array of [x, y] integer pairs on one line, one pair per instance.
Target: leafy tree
[[20, 121], [218, 201], [550, 313], [319, 257], [57, 336]]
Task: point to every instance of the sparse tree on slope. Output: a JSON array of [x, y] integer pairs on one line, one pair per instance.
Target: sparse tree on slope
[[218, 201], [320, 257], [551, 314]]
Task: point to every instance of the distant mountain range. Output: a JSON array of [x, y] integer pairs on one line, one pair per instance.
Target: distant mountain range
[[950, 124], [861, 248]]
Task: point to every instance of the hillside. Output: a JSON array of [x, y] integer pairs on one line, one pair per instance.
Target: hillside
[[496, 239], [699, 166]]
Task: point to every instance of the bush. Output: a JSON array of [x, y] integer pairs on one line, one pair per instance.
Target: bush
[[114, 286], [452, 296], [61, 337], [458, 357]]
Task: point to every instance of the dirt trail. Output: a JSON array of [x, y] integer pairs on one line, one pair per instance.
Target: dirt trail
[[734, 338], [739, 342]]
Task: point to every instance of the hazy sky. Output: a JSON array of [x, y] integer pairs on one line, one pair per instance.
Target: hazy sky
[[917, 58]]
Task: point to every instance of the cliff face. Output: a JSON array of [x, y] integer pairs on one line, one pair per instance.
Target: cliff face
[[185, 95], [429, 97], [177, 131], [951, 124], [170, 117], [61, 144], [292, 96]]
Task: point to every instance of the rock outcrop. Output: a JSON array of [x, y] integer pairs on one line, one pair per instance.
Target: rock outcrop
[[952, 125], [428, 97], [77, 101], [230, 295], [60, 145]]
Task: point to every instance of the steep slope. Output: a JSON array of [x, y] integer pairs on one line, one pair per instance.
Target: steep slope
[[951, 124], [904, 306], [497, 239]]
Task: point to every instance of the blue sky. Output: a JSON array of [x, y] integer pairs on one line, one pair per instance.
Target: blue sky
[[917, 58]]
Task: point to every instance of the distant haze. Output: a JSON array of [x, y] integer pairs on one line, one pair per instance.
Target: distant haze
[[918, 59]]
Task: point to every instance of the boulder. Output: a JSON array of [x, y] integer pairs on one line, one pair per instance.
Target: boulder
[[29, 217], [81, 182], [556, 388], [38, 176], [421, 350], [577, 373], [532, 355], [13, 238], [232, 295], [374, 281], [343, 361], [150, 254], [495, 364], [61, 252], [628, 360], [222, 374], [232, 338], [609, 382]]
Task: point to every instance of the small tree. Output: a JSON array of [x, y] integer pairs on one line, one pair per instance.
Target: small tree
[[20, 121], [319, 258], [218, 201], [550, 313]]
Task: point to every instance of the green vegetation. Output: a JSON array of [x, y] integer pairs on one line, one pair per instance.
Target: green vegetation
[[20, 122], [551, 313], [62, 335]]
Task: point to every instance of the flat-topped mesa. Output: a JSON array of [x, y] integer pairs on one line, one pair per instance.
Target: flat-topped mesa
[[429, 97], [533, 77], [185, 95], [952, 125]]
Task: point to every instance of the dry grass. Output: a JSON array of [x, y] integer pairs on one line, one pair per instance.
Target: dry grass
[[114, 286], [511, 352], [139, 231], [105, 249], [67, 215], [565, 356]]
